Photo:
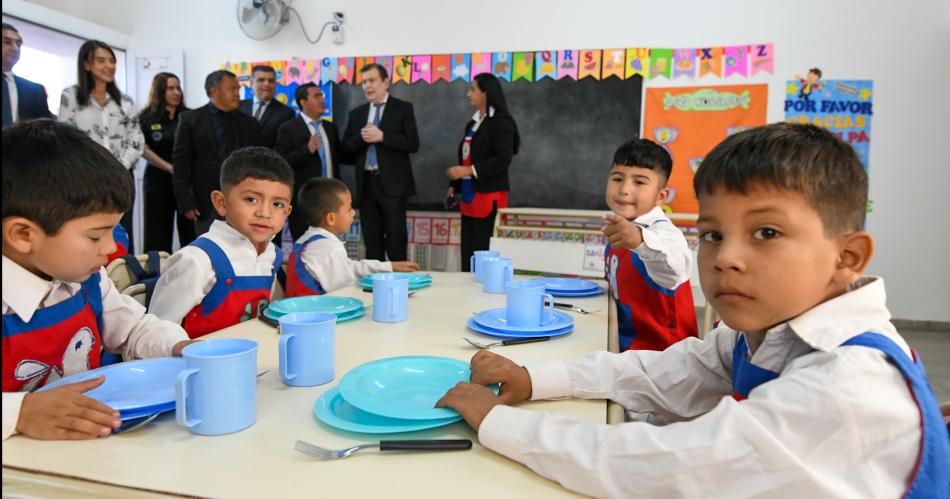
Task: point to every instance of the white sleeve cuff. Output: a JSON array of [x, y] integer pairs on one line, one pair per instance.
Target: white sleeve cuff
[[474, 172], [504, 428], [11, 412], [549, 381]]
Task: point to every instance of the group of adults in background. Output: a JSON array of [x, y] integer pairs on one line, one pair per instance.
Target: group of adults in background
[[184, 148]]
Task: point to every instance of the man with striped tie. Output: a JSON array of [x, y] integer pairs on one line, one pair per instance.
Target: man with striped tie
[[311, 146], [379, 137]]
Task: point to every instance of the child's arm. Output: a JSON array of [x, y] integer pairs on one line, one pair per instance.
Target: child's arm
[[405, 267], [661, 247], [326, 259], [186, 278], [62, 413]]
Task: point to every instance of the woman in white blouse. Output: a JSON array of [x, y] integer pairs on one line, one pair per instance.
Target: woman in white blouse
[[96, 106]]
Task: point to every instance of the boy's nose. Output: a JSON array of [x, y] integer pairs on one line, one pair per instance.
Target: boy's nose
[[729, 257]]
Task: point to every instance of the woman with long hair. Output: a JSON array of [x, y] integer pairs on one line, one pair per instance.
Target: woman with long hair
[[480, 180], [159, 122], [96, 106]]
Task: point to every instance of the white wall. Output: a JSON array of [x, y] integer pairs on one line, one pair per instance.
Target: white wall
[[902, 46]]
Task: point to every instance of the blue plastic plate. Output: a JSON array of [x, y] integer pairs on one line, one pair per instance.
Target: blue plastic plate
[[342, 317], [334, 410], [496, 319], [474, 326], [317, 303], [416, 281], [579, 294], [567, 284], [136, 386], [404, 387]]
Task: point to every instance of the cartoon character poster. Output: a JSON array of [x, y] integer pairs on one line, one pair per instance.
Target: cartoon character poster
[[689, 121], [842, 106]]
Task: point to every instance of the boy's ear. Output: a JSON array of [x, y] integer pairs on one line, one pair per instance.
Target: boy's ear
[[330, 218], [219, 202], [20, 233], [664, 195], [855, 250]]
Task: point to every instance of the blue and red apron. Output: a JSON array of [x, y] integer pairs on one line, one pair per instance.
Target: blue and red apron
[[299, 281], [649, 316], [477, 204], [58, 341], [121, 238], [232, 299], [927, 479]]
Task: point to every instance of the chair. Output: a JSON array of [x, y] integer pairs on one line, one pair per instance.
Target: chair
[[139, 292], [128, 270]]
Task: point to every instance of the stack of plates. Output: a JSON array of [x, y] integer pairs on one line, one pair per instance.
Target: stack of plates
[[136, 389], [416, 281], [494, 322], [393, 395], [565, 286], [344, 308]]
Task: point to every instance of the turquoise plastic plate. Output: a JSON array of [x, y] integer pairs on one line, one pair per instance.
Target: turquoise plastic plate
[[416, 281], [353, 314], [332, 409], [567, 284], [404, 387], [317, 303]]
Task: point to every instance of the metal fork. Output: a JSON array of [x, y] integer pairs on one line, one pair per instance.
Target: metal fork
[[505, 342], [383, 445], [573, 308], [135, 424]]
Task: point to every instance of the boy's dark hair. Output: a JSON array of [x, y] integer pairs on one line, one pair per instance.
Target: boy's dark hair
[[383, 74], [54, 173], [255, 162], [801, 158], [644, 153], [816, 71], [215, 78], [318, 197]]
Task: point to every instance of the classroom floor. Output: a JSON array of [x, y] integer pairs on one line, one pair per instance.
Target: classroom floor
[[934, 348]]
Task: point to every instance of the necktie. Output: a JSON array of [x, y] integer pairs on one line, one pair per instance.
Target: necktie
[[371, 151], [260, 111], [315, 125], [7, 111]]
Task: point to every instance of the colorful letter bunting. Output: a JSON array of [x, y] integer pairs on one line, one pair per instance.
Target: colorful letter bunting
[[386, 62], [441, 67], [501, 65], [638, 61], [613, 63], [461, 67], [567, 64], [402, 68], [710, 61], [761, 59], [589, 64], [344, 70], [661, 62], [329, 68], [734, 60], [684, 63], [545, 65], [481, 63], [358, 64], [422, 68], [524, 66]]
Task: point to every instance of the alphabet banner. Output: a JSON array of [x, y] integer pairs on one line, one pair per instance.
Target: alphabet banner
[[460, 67], [842, 106], [689, 121]]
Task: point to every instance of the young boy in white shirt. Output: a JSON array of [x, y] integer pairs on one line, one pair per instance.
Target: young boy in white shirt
[[319, 263], [805, 389], [647, 261], [226, 276], [62, 196]]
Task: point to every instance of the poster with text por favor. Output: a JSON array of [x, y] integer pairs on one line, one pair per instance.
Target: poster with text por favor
[[844, 107], [689, 121]]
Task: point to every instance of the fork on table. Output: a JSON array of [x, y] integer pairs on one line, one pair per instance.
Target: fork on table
[[384, 445]]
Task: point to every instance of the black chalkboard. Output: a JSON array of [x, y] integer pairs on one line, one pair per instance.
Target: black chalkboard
[[569, 131]]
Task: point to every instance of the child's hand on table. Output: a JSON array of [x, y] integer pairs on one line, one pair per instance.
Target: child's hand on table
[[405, 267], [64, 413], [621, 232], [474, 401], [176, 350]]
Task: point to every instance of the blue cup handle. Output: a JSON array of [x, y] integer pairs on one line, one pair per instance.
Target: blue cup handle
[[181, 397], [471, 264], [511, 275], [548, 304], [284, 360]]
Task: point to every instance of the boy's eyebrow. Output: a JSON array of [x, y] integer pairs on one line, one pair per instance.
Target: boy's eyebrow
[[104, 227]]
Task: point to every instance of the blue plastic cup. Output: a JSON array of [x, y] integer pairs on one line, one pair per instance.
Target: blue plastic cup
[[498, 272], [216, 392], [475, 263], [307, 348], [526, 303], [390, 297]]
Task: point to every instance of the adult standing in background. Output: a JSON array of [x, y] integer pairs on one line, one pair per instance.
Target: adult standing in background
[[480, 180], [380, 135], [159, 122], [96, 106], [269, 112], [206, 137], [310, 145], [22, 99]]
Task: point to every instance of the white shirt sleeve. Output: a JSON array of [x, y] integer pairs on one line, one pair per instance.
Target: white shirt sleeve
[[67, 106], [327, 260], [131, 332], [665, 254], [134, 140], [11, 412], [186, 278]]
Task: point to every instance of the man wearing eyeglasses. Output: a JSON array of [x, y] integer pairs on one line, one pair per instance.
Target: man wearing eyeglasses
[[380, 135]]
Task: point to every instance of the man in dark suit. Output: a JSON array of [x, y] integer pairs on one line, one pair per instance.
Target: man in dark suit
[[380, 135], [206, 137], [310, 145], [268, 111], [22, 99]]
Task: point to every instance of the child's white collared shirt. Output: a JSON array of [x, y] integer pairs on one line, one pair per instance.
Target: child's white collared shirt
[[126, 328], [838, 422], [187, 275], [327, 261], [664, 251]]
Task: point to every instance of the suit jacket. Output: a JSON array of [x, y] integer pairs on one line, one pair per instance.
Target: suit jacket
[[291, 143], [400, 138], [275, 115], [492, 149], [196, 157], [31, 100]]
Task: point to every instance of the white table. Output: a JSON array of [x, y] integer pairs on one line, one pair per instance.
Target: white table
[[261, 462]]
